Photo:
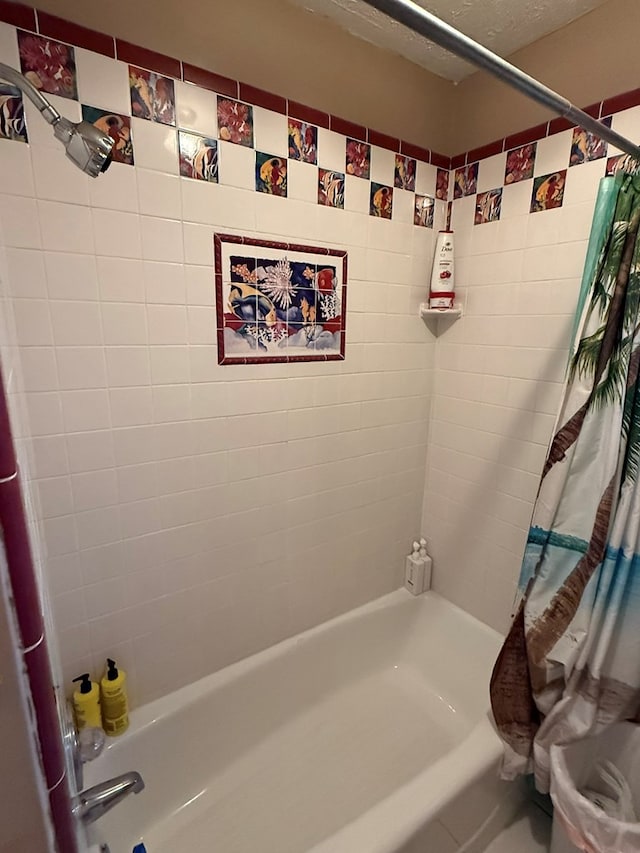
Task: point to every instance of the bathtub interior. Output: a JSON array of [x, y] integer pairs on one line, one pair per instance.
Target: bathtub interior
[[307, 735]]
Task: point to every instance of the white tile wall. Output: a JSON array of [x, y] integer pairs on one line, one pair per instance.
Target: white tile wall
[[498, 377], [203, 509]]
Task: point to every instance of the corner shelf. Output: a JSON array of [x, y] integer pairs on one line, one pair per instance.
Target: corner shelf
[[438, 314]]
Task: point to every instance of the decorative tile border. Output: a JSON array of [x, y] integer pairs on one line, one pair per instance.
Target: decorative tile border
[[52, 27], [279, 302]]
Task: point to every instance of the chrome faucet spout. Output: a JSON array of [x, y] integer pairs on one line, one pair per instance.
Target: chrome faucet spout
[[97, 801]]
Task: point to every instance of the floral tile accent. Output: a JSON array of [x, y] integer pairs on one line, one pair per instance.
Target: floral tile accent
[[423, 210], [548, 191], [405, 173], [620, 163], [465, 181], [12, 123], [271, 174], [303, 141], [331, 188], [235, 122], [152, 96], [50, 65], [278, 301], [520, 163], [358, 159], [117, 126], [198, 156], [488, 206], [381, 201], [586, 146], [442, 184]]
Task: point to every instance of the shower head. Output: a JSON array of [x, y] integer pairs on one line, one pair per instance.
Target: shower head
[[85, 145]]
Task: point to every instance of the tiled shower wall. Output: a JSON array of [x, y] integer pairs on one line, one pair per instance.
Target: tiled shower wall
[[499, 370], [193, 513]]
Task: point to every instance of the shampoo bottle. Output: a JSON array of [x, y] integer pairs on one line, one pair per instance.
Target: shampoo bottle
[[115, 704], [86, 703]]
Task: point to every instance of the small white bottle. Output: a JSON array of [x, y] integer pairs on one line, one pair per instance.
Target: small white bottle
[[414, 571], [428, 564]]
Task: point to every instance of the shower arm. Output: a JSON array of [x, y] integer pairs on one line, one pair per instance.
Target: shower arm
[[49, 113], [431, 27]]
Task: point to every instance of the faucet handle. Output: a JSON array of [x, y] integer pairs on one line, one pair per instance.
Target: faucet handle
[[91, 742]]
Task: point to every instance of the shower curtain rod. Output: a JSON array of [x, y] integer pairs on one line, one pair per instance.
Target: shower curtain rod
[[428, 25]]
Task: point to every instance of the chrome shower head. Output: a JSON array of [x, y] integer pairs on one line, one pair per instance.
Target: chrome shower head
[[85, 145]]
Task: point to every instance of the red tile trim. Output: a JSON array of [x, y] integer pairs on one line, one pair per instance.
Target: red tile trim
[[58, 28], [348, 128], [41, 684], [440, 160], [308, 114], [621, 102], [18, 15], [59, 801], [592, 110], [416, 151], [384, 141], [261, 98], [458, 161], [531, 134], [143, 58], [557, 125], [209, 80], [488, 150]]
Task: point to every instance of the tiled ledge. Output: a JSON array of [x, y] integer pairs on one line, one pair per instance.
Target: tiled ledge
[[51, 26]]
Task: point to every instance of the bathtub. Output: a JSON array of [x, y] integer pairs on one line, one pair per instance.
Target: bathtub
[[367, 734]]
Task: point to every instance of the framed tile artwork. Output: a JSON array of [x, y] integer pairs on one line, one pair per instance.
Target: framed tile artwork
[[279, 302]]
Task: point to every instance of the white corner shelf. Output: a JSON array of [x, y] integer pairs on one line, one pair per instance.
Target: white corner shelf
[[436, 317]]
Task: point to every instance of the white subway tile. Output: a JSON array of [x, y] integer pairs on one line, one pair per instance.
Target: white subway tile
[[71, 276], [124, 324], [20, 222], [56, 178], [130, 406], [271, 132], [167, 324], [94, 489], [159, 194], [237, 165], [26, 273], [155, 146], [332, 150], [86, 410], [16, 177], [116, 233], [33, 322], [383, 165], [76, 323], [81, 368], [161, 239], [196, 109], [121, 279], [128, 366], [302, 181], [116, 189], [102, 82], [65, 227], [164, 283]]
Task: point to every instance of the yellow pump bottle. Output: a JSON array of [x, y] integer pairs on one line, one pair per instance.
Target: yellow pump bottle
[[86, 703], [115, 703]]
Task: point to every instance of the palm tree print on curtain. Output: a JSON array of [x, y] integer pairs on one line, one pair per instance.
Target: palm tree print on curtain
[[570, 664]]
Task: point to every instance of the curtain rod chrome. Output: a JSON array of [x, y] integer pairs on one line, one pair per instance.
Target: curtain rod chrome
[[428, 25]]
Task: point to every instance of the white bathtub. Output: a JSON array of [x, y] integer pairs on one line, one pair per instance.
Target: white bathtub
[[368, 734]]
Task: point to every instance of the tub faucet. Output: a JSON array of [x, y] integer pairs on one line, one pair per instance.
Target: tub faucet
[[97, 801]]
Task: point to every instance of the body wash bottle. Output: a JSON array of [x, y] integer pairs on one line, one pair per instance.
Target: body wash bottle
[[115, 704], [86, 703]]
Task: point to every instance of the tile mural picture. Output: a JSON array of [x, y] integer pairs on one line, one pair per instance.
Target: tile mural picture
[[152, 96], [49, 65], [278, 302], [116, 126], [442, 185], [405, 173], [620, 163], [548, 191], [465, 181], [488, 206], [331, 188], [520, 163], [303, 141], [358, 158], [12, 123], [586, 146], [235, 122], [271, 174], [381, 201], [198, 156], [423, 211]]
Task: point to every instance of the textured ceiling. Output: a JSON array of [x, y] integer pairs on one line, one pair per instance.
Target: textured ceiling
[[503, 26]]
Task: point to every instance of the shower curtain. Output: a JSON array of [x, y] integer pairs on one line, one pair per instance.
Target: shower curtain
[[570, 664]]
